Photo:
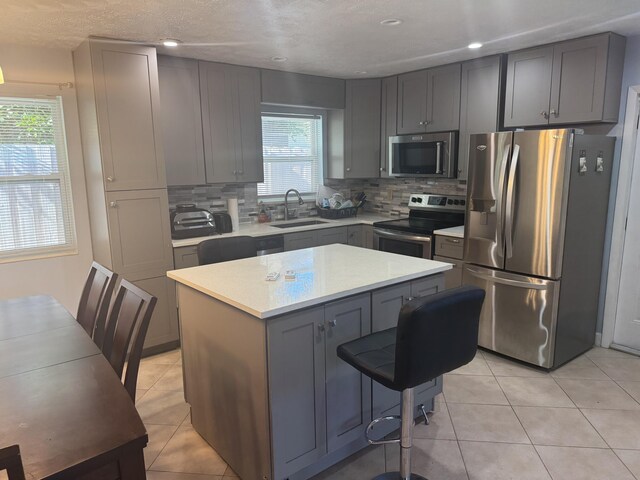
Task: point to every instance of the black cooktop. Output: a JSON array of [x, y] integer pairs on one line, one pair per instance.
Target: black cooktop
[[423, 223]]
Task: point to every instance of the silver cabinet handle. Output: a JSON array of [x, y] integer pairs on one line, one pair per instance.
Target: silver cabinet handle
[[544, 114], [240, 172], [110, 179], [452, 240], [382, 169], [554, 112], [321, 327], [113, 204], [348, 169], [333, 323], [409, 299]]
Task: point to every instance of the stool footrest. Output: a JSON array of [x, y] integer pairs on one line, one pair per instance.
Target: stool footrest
[[373, 423]]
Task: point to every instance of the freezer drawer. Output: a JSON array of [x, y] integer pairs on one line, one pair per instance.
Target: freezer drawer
[[519, 314]]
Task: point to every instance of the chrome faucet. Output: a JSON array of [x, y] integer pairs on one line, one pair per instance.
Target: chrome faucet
[[286, 202]]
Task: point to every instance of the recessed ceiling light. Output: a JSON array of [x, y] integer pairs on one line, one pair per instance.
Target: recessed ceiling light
[[475, 45], [279, 59], [391, 22], [171, 42]]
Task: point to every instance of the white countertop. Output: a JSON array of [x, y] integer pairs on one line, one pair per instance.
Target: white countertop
[[263, 229], [457, 232], [323, 274]]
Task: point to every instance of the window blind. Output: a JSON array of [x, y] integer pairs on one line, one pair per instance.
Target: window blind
[[36, 207], [292, 153]]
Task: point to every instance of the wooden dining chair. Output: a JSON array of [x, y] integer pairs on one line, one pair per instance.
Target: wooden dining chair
[[126, 330], [11, 461], [95, 299]]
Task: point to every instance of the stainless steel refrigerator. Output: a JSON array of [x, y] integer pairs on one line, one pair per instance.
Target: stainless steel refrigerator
[[534, 238]]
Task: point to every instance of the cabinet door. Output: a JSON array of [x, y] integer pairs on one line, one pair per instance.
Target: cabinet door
[[354, 234], [128, 110], [297, 390], [217, 88], [388, 120], [332, 235], [181, 120], [296, 89], [443, 98], [139, 233], [412, 102], [528, 87], [427, 286], [385, 307], [362, 129], [578, 81], [163, 327], [298, 240], [248, 125], [348, 391], [185, 257], [453, 277], [479, 104], [367, 232]]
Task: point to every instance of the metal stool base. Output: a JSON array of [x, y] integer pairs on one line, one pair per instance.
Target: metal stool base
[[396, 476]]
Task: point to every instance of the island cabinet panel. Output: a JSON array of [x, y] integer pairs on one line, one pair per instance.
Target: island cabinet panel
[[348, 391], [297, 390]]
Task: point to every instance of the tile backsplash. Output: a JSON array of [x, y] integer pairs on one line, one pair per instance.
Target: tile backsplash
[[384, 195]]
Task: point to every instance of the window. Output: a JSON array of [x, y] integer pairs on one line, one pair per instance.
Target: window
[[292, 148], [36, 213]]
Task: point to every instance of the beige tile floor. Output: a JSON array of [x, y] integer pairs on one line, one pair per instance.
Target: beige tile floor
[[496, 420]]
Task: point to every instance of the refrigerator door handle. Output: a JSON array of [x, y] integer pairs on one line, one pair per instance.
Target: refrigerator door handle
[[505, 281], [510, 199], [500, 200]]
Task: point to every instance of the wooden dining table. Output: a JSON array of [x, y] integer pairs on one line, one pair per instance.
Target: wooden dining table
[[60, 399]]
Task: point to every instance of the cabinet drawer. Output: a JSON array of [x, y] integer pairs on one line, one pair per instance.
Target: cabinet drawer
[[453, 277], [449, 246]]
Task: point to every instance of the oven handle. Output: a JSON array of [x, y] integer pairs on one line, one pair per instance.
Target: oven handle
[[402, 236], [438, 157]]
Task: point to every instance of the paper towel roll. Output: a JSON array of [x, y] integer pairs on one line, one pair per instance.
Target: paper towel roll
[[232, 210]]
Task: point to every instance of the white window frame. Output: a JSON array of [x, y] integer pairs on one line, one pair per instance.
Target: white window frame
[[281, 109], [47, 92]]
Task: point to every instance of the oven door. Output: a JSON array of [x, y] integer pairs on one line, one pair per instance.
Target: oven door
[[403, 243], [423, 155]]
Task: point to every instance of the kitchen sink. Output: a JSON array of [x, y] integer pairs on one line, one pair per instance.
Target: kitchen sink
[[303, 223]]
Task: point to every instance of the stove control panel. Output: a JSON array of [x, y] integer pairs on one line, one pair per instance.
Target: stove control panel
[[426, 201]]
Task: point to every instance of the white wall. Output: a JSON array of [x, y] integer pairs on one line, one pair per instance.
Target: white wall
[[62, 276]]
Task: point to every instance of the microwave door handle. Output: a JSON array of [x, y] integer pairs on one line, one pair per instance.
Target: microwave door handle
[[511, 190], [500, 199], [438, 157]]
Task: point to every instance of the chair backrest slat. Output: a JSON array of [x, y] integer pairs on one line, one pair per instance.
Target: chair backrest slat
[[11, 461], [225, 249], [129, 320], [94, 302]]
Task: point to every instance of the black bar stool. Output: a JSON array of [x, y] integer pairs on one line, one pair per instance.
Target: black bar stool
[[435, 335]]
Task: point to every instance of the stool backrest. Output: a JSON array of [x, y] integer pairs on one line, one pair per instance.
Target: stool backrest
[[437, 334], [11, 461], [94, 302], [129, 320], [219, 250]]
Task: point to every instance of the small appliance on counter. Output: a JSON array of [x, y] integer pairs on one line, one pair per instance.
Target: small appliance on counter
[[223, 222], [188, 221]]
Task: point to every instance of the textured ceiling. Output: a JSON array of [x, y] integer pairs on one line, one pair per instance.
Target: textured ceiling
[[325, 37]]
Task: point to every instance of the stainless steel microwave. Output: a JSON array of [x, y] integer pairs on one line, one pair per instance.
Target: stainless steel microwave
[[423, 155]]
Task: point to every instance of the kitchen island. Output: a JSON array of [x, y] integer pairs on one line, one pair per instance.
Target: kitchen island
[[261, 373]]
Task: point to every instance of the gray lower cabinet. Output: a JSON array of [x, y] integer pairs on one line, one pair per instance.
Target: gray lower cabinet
[[453, 277], [367, 236], [181, 120], [479, 103], [576, 81], [327, 236], [315, 238], [231, 123], [185, 257], [388, 120], [355, 235]]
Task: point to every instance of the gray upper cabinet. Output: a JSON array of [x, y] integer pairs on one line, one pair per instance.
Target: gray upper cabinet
[[362, 129], [443, 98], [231, 123], [412, 102], [429, 100], [479, 104], [127, 109], [286, 88], [181, 120], [528, 87], [577, 81], [388, 120]]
